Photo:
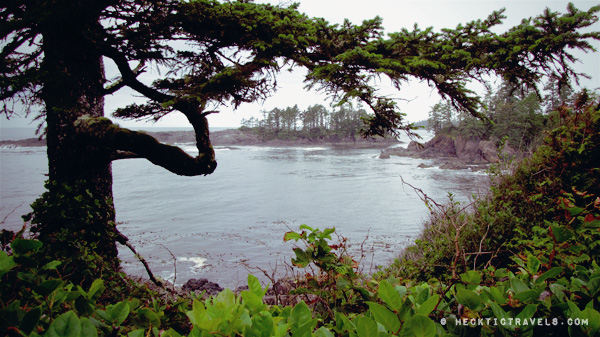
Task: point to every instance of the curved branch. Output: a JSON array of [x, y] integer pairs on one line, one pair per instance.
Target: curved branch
[[141, 145], [129, 76], [120, 83]]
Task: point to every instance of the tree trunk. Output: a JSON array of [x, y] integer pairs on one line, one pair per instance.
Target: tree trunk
[[72, 87]]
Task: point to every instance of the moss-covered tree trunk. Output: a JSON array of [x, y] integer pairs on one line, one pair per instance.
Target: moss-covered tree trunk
[[76, 216]]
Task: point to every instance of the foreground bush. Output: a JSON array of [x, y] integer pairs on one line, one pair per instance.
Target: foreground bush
[[538, 297]]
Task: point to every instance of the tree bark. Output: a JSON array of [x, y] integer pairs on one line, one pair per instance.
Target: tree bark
[[72, 87], [125, 143]]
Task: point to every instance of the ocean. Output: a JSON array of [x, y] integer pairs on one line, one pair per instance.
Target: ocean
[[231, 223]]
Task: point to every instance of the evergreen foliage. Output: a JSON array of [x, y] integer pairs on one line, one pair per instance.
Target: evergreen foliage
[[315, 123], [516, 116]]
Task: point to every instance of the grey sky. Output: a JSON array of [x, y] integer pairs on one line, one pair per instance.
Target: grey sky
[[396, 15]]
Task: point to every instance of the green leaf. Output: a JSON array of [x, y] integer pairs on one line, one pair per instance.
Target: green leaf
[[255, 287], [552, 273], [468, 298], [30, 320], [533, 264], [498, 311], [303, 226], [151, 316], [262, 324], [561, 234], [366, 327], [497, 295], [84, 306], [52, 265], [302, 260], [304, 330], [389, 295], [472, 276], [118, 313], [384, 316], [170, 333], [226, 297], [592, 224], [419, 326], [529, 295], [343, 323], [47, 287], [593, 318], [65, 325], [6, 263], [323, 332], [24, 246], [252, 301], [291, 236], [517, 285], [300, 314], [427, 307], [88, 329], [527, 312], [138, 333], [96, 289], [326, 234], [197, 313], [575, 211]]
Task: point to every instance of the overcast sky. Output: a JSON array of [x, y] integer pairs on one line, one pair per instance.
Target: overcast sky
[[396, 14]]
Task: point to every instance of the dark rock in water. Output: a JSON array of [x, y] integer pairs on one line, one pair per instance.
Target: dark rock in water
[[414, 146], [461, 151], [454, 165], [394, 151], [439, 146], [201, 285], [423, 165]]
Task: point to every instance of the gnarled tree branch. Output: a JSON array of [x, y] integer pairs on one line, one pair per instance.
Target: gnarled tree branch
[[141, 145]]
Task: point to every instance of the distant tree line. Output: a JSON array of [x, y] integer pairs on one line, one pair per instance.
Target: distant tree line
[[316, 122], [518, 115]]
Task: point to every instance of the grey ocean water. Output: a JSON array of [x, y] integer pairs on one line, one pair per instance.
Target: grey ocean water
[[218, 225]]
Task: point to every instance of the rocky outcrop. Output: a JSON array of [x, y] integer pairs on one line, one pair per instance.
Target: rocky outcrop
[[201, 285], [456, 152], [437, 147], [454, 165]]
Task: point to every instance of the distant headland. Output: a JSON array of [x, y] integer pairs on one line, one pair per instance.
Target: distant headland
[[233, 137]]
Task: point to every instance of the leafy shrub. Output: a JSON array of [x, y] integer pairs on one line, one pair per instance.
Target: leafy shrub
[[565, 167]]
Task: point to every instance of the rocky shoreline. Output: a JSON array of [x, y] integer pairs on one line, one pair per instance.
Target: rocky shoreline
[[232, 137], [281, 292], [455, 153]]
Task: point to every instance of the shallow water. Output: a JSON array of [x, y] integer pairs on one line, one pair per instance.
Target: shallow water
[[216, 226]]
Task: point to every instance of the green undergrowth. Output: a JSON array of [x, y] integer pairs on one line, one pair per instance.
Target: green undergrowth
[[522, 261]]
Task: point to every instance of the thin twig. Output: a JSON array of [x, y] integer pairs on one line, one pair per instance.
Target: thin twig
[[481, 245], [122, 239], [174, 264], [11, 212], [422, 194], [143, 261]]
